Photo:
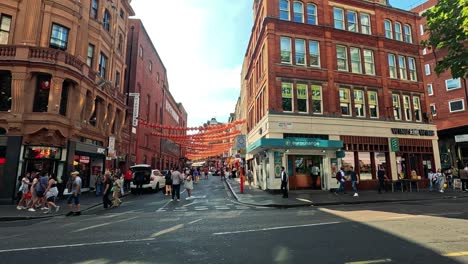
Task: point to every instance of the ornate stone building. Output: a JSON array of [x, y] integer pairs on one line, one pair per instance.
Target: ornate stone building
[[62, 102]]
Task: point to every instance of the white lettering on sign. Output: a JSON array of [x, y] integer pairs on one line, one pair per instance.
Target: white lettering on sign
[[461, 138], [136, 109], [172, 112]]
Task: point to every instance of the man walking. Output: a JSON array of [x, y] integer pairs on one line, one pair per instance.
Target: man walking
[[381, 177], [340, 178], [354, 181], [177, 179], [315, 171], [75, 192], [250, 178], [284, 182]]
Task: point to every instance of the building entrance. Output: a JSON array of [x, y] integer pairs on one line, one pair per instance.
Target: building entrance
[[307, 172]]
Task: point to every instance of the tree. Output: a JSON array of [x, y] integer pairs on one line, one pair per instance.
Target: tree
[[447, 23]]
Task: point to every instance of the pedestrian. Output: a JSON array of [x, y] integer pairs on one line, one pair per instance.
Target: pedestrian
[[440, 180], [168, 182], [32, 202], [188, 184], [340, 179], [127, 180], [107, 185], [51, 194], [381, 177], [139, 178], [250, 178], [432, 179], [40, 190], [177, 179], [354, 181], [75, 192], [284, 182], [464, 179], [449, 177], [315, 171], [25, 193], [196, 175], [99, 180], [116, 191]]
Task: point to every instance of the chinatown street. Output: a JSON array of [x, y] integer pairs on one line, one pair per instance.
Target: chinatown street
[[213, 227]]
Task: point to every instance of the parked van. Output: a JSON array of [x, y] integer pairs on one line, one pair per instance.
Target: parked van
[[152, 178]]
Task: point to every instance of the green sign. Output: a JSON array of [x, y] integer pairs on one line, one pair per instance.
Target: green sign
[[394, 145], [286, 90], [301, 91]]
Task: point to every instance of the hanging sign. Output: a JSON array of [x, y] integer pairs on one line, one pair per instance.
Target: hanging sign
[[301, 91]]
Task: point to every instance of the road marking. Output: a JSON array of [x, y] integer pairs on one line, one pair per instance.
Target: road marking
[[201, 209], [77, 245], [168, 230], [456, 254], [193, 222], [162, 208], [370, 261], [304, 200], [274, 228], [96, 226]]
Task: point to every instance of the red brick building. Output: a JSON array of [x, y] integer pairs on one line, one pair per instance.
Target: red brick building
[[335, 83], [447, 100], [148, 78]]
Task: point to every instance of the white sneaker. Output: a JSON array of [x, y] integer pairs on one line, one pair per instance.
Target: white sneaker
[[44, 208], [19, 208], [31, 210], [441, 191], [57, 208], [178, 200], [47, 212], [172, 200], [356, 195]]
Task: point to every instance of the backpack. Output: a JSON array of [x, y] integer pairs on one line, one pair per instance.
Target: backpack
[[338, 176]]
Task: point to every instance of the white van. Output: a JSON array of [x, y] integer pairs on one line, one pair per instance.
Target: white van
[[153, 179]]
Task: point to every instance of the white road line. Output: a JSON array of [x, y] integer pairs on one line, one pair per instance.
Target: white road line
[[168, 230], [96, 226], [201, 209], [387, 260], [274, 228], [193, 222], [77, 245], [162, 208]]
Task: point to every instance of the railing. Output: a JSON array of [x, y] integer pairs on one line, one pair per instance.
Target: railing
[[7, 51], [73, 61], [44, 54]]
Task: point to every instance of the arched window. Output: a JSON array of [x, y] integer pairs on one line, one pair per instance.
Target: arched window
[[5, 91], [312, 14], [408, 36], [284, 9], [298, 12], [106, 20], [93, 13], [398, 33], [388, 29]]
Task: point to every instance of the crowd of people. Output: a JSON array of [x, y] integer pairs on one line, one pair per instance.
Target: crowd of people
[[38, 191]]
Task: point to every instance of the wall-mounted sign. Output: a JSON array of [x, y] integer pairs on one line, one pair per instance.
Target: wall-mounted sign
[[285, 125], [172, 112], [111, 148], [42, 152], [416, 132], [394, 145], [461, 138], [136, 108]]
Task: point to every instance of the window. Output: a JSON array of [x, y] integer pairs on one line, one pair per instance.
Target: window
[[314, 52], [369, 65], [41, 97], [424, 52], [352, 21], [117, 79], [312, 14], [122, 13], [365, 24], [5, 24], [452, 84], [456, 105], [94, 9], [388, 29], [59, 37], [338, 15], [120, 43], [433, 109], [298, 9], [284, 9], [302, 98], [356, 66], [140, 52], [157, 77], [412, 69], [316, 99], [5, 91], [90, 56], [286, 50], [408, 37], [373, 104], [102, 65], [300, 52], [402, 67], [64, 98], [106, 20], [427, 69], [359, 104], [342, 58], [392, 66], [417, 108], [398, 33], [430, 91], [345, 102], [421, 29], [286, 93], [396, 106], [150, 66], [407, 107]]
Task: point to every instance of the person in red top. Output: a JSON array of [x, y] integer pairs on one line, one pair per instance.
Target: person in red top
[[127, 180]]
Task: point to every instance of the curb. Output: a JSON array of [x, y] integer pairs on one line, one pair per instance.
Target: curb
[[340, 202]]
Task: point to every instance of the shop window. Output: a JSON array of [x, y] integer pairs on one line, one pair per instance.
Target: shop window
[[345, 101], [284, 9], [314, 53], [380, 161], [417, 109], [5, 91], [41, 96], [5, 24], [365, 24], [300, 52], [407, 107], [64, 97], [302, 98], [316, 99], [286, 93], [286, 54], [348, 161], [298, 9], [356, 66], [359, 103], [396, 106], [365, 166], [392, 66], [373, 104]]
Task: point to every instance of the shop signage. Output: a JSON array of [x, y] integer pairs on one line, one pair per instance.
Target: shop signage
[[416, 132], [285, 125], [394, 145], [316, 92], [301, 91], [461, 138], [101, 151], [136, 108], [265, 143], [42, 153], [172, 112], [111, 148], [84, 159], [286, 90]]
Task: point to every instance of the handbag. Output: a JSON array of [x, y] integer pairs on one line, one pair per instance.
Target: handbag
[[28, 195]]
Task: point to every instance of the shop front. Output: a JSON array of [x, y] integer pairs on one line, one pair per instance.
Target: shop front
[[41, 159], [89, 160]]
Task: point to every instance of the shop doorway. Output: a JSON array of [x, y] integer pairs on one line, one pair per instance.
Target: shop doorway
[[307, 172]]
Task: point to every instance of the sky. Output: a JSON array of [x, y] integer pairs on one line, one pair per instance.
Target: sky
[[202, 44]]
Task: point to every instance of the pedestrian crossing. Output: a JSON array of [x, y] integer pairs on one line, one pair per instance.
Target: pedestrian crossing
[[208, 207]]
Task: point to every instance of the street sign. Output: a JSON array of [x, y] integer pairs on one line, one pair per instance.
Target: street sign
[[136, 108], [394, 144]]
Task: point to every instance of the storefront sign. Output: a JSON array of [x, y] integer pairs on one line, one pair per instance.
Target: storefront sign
[[101, 151], [84, 159], [285, 125], [111, 148], [461, 138], [42, 152], [394, 145], [266, 143], [416, 132]]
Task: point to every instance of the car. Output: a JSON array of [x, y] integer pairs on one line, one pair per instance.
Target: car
[[153, 178]]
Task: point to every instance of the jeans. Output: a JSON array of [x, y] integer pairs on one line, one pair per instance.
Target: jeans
[[430, 185], [105, 200], [341, 188], [464, 184], [354, 184], [284, 188], [98, 189], [176, 191], [441, 182], [382, 185]]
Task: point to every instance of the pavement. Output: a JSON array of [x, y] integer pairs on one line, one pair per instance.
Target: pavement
[[298, 198]]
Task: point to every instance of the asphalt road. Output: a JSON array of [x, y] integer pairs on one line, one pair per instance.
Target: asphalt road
[[212, 228]]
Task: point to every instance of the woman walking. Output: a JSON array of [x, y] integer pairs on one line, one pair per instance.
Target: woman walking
[[107, 189], [440, 180], [51, 194], [168, 182], [25, 194], [116, 191], [177, 179], [188, 186]]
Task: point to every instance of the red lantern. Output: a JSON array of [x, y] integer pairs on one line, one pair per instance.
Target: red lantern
[[45, 85]]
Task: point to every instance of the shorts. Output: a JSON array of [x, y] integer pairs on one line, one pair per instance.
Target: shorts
[[40, 194], [51, 199], [75, 199]]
